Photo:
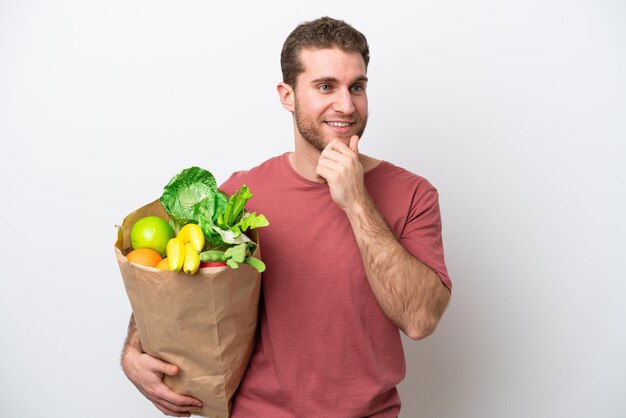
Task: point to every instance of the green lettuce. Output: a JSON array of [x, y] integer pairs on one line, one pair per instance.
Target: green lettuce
[[192, 196]]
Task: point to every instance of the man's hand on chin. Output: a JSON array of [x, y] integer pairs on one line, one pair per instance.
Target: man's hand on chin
[[339, 166]]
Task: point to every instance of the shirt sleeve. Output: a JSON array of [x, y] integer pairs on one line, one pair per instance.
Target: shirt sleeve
[[421, 235]]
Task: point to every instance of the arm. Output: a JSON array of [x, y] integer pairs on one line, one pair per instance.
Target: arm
[[147, 373], [409, 292]]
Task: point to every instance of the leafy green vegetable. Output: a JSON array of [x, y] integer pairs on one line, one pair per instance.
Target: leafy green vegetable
[[192, 196], [256, 263], [234, 256], [234, 207], [235, 218]]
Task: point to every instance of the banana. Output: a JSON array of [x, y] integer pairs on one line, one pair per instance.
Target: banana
[[193, 234], [183, 251], [192, 259], [175, 251]]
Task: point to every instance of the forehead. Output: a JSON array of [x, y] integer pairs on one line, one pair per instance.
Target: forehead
[[332, 62]]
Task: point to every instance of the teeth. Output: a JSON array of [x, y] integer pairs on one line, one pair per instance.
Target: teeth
[[339, 124]]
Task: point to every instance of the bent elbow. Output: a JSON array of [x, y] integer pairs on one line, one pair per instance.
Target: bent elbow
[[427, 318], [421, 331]]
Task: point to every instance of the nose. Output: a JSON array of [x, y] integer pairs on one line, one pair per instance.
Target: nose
[[344, 102]]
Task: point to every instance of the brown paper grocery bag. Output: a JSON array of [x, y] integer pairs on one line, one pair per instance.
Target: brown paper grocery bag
[[203, 323]]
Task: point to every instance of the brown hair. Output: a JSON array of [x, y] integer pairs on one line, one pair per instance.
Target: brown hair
[[324, 32]]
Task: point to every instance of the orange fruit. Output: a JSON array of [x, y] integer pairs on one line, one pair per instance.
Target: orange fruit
[[163, 264], [144, 256]]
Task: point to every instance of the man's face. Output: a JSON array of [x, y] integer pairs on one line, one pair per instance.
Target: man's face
[[330, 96]]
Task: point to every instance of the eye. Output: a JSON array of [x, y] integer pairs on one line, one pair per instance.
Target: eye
[[325, 88], [357, 88]]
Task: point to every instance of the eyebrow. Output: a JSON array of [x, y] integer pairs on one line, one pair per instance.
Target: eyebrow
[[334, 80]]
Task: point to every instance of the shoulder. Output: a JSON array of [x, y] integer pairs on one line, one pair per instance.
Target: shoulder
[[253, 177], [398, 179]]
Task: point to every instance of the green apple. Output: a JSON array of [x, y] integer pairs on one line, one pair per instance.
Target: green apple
[[151, 232]]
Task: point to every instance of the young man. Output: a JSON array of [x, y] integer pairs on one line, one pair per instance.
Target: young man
[[353, 253]]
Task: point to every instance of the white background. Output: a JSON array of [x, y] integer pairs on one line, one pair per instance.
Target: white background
[[514, 110]]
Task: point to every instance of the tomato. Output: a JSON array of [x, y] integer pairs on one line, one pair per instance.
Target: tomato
[[204, 264]]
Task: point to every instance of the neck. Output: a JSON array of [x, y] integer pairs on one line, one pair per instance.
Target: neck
[[304, 160]]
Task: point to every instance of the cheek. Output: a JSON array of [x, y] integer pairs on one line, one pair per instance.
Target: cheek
[[310, 105], [362, 105], [317, 109]]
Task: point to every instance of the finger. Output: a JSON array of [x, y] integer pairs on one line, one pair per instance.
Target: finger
[[342, 156], [182, 409], [326, 167], [337, 145], [170, 412], [336, 164], [170, 369], [160, 392], [174, 400], [339, 151], [354, 143], [156, 365]]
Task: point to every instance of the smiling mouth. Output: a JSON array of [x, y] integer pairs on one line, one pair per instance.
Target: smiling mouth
[[339, 124]]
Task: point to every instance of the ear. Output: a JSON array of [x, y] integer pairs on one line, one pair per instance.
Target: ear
[[286, 95]]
